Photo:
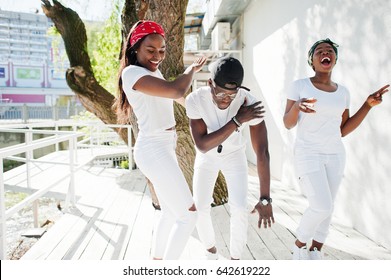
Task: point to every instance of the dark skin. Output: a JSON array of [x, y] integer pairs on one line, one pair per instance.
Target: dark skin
[[322, 81], [150, 55], [206, 141]]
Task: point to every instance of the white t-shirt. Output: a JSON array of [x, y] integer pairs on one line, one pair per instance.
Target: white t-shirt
[[320, 132], [200, 105], [154, 114]]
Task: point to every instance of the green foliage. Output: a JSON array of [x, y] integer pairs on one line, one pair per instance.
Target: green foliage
[[60, 59], [105, 54], [124, 164], [52, 31], [12, 198], [84, 116], [10, 164]]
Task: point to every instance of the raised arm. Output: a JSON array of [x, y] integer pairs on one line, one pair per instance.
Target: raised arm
[[169, 89], [349, 124]]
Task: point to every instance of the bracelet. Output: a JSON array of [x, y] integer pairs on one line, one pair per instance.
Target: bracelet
[[238, 124]]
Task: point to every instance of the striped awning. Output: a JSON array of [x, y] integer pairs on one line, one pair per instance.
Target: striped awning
[[193, 23]]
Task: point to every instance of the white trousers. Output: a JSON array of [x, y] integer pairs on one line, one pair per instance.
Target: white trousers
[[319, 178], [234, 167], [156, 158]]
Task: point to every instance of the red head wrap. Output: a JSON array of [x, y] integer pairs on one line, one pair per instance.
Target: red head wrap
[[145, 28]]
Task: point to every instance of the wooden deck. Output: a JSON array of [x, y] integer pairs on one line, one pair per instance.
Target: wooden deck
[[113, 219]]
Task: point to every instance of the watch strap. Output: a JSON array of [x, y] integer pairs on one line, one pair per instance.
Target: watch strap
[[262, 200]]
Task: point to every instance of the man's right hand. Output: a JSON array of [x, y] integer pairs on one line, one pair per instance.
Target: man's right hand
[[247, 113]]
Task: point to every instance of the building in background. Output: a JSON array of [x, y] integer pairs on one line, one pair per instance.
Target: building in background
[[214, 33], [32, 63]]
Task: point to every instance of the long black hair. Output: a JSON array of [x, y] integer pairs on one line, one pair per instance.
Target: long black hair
[[128, 57]]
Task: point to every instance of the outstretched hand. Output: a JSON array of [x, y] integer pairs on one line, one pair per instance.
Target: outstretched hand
[[377, 97], [265, 215], [306, 105], [198, 63]]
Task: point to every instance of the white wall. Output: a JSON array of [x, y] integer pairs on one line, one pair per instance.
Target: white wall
[[277, 35]]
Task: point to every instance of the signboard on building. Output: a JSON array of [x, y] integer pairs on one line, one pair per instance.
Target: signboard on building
[[28, 73]]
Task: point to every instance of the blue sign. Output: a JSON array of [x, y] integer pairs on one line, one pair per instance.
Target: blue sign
[[2, 72]]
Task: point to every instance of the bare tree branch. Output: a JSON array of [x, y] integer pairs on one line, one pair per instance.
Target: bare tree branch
[[72, 30], [96, 99], [80, 76]]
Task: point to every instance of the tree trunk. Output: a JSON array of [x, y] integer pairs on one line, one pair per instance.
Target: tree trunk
[[172, 17], [80, 77]]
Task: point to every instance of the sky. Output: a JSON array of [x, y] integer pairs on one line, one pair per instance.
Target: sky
[[100, 11], [87, 9]]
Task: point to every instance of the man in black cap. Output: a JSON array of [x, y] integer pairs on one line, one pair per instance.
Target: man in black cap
[[218, 113]]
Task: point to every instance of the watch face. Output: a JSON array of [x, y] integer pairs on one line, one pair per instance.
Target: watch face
[[264, 202]]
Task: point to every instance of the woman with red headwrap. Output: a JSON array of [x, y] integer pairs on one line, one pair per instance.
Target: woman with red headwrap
[[143, 88]]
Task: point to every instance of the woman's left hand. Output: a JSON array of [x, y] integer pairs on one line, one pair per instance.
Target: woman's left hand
[[198, 63], [377, 97]]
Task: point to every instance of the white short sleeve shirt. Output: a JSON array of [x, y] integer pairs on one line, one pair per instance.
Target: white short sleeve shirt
[[154, 114], [320, 132], [200, 105]]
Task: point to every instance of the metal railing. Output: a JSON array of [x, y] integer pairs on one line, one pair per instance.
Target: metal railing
[[96, 135], [24, 113]]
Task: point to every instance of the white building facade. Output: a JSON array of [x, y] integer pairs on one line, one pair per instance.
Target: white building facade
[[32, 71], [277, 35], [272, 38]]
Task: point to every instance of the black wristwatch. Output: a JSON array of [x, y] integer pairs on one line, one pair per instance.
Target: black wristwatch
[[265, 201]]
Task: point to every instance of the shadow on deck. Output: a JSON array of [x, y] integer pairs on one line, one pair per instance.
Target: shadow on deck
[[113, 219]]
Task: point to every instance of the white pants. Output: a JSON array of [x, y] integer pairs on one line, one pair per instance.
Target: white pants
[[319, 177], [156, 158], [234, 168]]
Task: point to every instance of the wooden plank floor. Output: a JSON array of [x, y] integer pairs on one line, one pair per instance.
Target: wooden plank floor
[[113, 219]]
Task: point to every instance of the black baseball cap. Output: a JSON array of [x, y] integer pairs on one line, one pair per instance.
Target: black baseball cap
[[227, 72]]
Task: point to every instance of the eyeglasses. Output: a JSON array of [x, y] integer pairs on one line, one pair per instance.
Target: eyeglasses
[[222, 95]]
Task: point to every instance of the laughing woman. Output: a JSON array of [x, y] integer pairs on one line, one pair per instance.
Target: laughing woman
[[320, 108], [143, 88]]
